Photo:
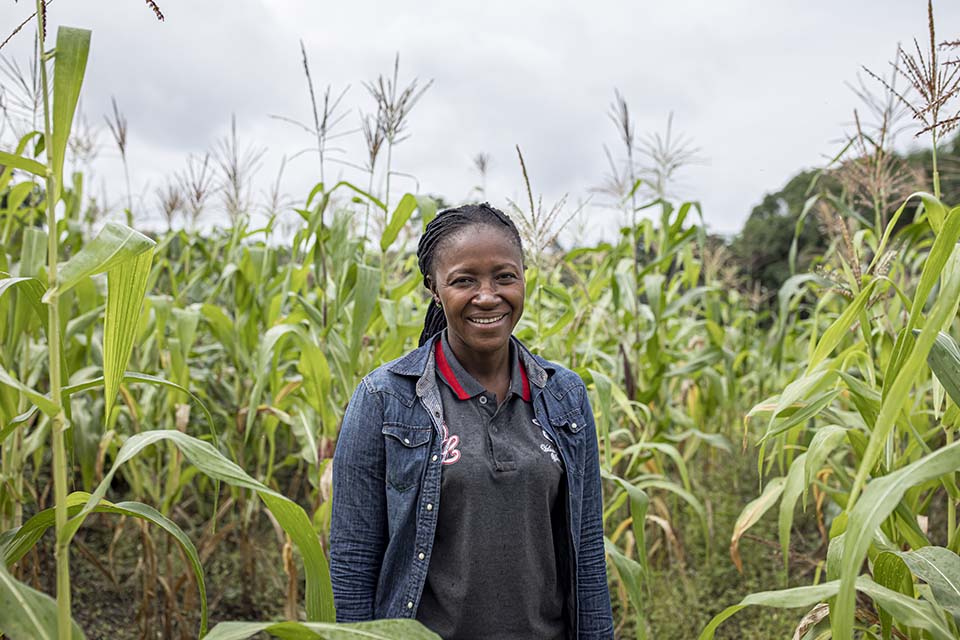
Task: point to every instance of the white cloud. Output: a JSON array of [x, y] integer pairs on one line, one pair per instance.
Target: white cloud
[[758, 87]]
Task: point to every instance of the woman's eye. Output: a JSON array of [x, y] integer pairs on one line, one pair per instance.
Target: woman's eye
[[507, 276]]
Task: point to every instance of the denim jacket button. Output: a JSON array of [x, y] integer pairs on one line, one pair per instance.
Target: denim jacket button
[[434, 458], [573, 426], [410, 605], [429, 506], [422, 555], [407, 440], [483, 400]]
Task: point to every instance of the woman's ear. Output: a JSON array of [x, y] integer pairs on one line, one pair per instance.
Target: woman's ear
[[428, 282]]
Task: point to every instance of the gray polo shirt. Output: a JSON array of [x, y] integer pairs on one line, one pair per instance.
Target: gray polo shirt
[[494, 569]]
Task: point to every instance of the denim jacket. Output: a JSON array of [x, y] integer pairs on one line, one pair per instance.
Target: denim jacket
[[386, 490]]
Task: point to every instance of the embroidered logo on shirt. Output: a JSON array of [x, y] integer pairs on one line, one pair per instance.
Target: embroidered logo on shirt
[[449, 445], [548, 448]]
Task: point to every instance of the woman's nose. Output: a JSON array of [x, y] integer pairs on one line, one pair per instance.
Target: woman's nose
[[487, 293]]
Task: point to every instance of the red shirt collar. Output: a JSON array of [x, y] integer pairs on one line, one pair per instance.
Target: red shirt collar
[[447, 372]]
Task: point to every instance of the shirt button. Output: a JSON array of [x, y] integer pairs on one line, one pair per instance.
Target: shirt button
[[421, 555], [429, 506], [410, 605], [483, 399], [434, 458]]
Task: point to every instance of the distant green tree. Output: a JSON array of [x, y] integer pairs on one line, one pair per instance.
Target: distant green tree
[[762, 247]]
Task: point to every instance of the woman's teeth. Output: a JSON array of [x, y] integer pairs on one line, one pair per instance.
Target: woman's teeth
[[486, 320]]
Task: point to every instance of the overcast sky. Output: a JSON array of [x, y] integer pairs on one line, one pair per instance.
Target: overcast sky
[[758, 87]]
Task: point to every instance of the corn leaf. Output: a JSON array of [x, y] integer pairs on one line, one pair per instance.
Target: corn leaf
[[944, 360], [939, 568], [751, 514], [405, 209], [114, 245], [25, 164], [375, 630], [906, 610], [639, 502], [890, 571], [27, 614], [879, 500], [364, 302], [631, 576], [27, 535], [792, 488], [290, 515], [824, 442], [73, 46], [942, 313], [126, 285], [42, 401]]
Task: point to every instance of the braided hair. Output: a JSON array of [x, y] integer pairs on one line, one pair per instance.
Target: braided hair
[[443, 226]]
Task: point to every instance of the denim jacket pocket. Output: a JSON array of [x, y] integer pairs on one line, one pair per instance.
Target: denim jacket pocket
[[569, 428], [406, 454]]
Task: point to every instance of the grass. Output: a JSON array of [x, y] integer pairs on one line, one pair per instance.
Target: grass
[[708, 585]]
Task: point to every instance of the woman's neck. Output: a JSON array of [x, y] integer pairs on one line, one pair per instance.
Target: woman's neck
[[491, 369]]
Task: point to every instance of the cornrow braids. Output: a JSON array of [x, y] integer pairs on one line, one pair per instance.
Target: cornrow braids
[[443, 226]]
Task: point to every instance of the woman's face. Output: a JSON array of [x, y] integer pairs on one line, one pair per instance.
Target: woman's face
[[478, 280]]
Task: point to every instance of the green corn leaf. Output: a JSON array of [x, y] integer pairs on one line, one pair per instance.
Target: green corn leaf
[[126, 286], [291, 516], [131, 376], [42, 401], [942, 313], [364, 302], [879, 500], [890, 571], [375, 630], [936, 212], [405, 209], [114, 245], [428, 209], [751, 514], [840, 327], [824, 442], [939, 568], [26, 536], [27, 614], [25, 164], [792, 488], [944, 360], [265, 357], [810, 409], [631, 576], [73, 47], [934, 267], [7, 173], [658, 482], [794, 598], [906, 610], [639, 503]]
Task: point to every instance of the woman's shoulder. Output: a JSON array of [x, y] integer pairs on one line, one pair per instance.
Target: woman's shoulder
[[559, 378], [399, 374]]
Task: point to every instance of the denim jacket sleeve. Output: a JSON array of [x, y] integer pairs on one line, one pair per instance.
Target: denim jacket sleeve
[[358, 531], [595, 616]]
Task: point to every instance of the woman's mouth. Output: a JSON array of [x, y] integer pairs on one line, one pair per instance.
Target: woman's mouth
[[483, 322]]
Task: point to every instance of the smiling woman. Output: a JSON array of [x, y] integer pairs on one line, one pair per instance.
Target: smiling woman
[[506, 438]]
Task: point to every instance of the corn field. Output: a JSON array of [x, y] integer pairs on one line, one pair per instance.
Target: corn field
[[177, 392]]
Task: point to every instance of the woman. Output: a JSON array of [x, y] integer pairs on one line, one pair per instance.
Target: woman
[[466, 480]]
